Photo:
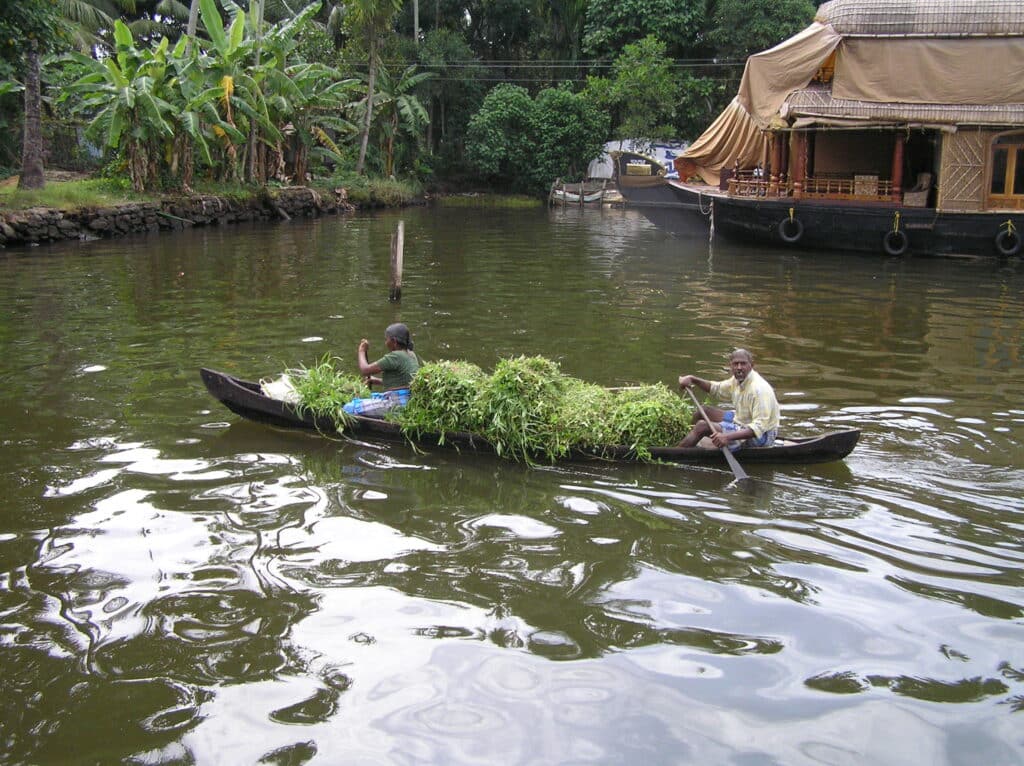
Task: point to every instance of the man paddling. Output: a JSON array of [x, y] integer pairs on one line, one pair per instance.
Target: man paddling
[[754, 419]]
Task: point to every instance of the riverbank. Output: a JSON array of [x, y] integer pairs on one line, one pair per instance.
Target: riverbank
[[78, 209], [98, 217], [37, 225]]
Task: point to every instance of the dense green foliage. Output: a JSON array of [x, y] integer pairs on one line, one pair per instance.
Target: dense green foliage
[[511, 94], [25, 26], [643, 93], [522, 144], [613, 24], [744, 27]]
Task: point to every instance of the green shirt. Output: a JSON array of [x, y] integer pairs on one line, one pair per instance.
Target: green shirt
[[397, 368]]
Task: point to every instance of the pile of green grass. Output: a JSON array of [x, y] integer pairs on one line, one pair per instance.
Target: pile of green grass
[[517, 409], [441, 399], [526, 408], [530, 411], [648, 416], [324, 388]]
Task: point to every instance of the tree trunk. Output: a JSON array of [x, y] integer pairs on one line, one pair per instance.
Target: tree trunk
[[32, 138], [193, 22], [369, 109]]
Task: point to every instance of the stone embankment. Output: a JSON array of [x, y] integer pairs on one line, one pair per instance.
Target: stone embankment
[[35, 225]]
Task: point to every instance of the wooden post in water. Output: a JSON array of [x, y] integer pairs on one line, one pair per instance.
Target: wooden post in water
[[397, 248]]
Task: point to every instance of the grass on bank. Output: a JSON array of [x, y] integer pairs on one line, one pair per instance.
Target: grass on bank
[[69, 195], [489, 200], [109, 192], [363, 192]]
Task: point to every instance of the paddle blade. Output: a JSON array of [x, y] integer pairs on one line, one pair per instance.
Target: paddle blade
[[734, 464]]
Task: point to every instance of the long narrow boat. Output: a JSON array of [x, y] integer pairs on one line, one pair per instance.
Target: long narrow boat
[[246, 399]]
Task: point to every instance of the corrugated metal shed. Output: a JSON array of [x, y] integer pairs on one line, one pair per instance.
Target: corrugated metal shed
[[935, 18]]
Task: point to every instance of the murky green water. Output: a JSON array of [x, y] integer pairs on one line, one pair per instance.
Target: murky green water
[[183, 587]]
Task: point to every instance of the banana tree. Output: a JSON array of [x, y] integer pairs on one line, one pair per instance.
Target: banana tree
[[300, 96], [310, 99], [400, 110], [125, 96], [235, 80]]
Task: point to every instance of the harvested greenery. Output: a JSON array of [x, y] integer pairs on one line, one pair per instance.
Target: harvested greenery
[[527, 409], [323, 389], [518, 406], [583, 416], [649, 416], [441, 398]]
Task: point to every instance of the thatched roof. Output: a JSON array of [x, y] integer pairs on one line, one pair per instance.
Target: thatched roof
[[924, 18], [815, 104]]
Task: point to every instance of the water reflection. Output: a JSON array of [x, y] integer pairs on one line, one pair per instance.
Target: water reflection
[[181, 585]]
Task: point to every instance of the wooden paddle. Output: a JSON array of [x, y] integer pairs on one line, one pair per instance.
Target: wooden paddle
[[734, 464]]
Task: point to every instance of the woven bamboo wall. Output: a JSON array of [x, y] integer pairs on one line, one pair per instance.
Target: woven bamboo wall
[[962, 171]]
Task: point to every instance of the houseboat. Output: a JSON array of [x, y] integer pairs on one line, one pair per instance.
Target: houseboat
[[886, 126]]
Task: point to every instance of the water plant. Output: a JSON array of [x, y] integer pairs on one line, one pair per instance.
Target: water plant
[[517, 409], [648, 416]]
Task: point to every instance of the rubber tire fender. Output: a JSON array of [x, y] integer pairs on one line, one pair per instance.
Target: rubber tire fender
[[1007, 242], [895, 242], [790, 230]]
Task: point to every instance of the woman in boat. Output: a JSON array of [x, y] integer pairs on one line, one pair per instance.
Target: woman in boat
[[393, 371], [754, 419]]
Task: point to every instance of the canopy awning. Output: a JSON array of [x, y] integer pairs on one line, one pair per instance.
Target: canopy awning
[[732, 138]]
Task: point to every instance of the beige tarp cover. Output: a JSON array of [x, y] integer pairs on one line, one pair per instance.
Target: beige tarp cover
[[732, 137], [930, 71], [772, 75], [879, 78]]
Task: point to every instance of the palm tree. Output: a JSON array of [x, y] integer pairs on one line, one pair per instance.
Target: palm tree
[[88, 18], [27, 25], [371, 19], [32, 140]]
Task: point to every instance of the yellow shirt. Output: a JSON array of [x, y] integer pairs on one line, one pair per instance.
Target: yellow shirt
[[754, 401]]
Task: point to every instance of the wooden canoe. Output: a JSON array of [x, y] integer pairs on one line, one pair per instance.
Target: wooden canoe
[[246, 399]]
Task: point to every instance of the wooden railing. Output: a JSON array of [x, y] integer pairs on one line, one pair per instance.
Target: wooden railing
[[865, 188]]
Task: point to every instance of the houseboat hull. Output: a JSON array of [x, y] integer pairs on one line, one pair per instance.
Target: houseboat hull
[[684, 209], [892, 231]]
